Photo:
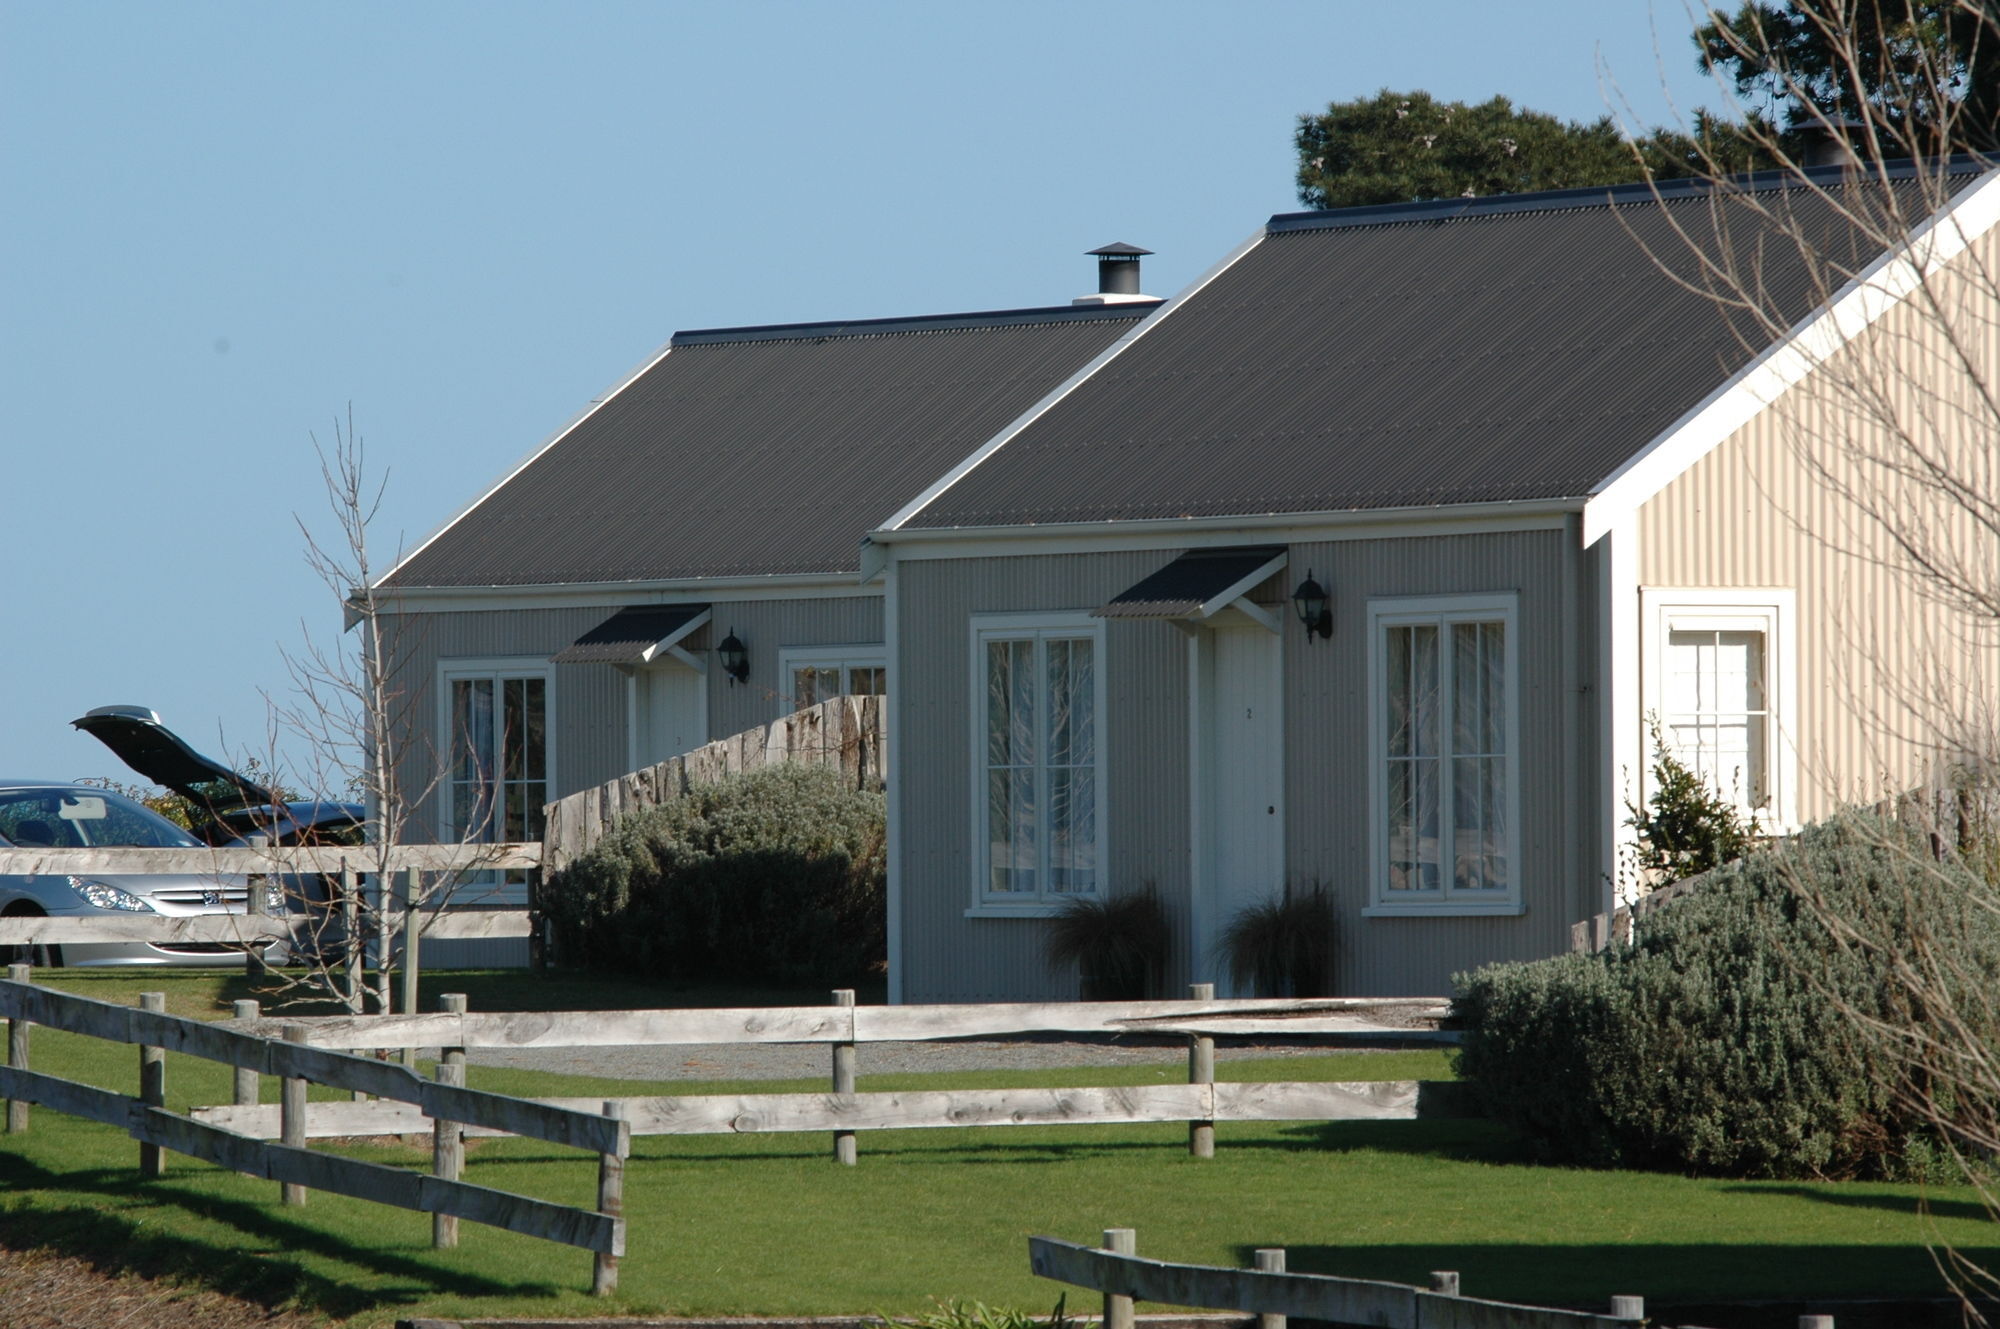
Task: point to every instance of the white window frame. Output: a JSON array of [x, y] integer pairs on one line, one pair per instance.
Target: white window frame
[[1040, 626], [868, 655], [482, 888], [1770, 610], [1440, 610]]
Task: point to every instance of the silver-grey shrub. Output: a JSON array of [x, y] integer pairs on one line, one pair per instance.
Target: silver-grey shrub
[[775, 875], [1761, 1027]]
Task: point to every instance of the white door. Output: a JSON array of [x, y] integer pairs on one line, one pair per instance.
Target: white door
[[669, 713], [1238, 775]]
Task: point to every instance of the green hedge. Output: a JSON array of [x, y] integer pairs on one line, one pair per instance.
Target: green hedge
[[774, 875], [1738, 1033]]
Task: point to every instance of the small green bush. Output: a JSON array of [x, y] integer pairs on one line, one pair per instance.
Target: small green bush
[[1687, 826], [1739, 1032], [774, 875]]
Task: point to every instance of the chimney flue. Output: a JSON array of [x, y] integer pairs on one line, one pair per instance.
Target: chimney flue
[[1117, 275]]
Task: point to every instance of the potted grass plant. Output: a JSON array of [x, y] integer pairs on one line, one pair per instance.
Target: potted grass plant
[[1118, 945], [1284, 947]]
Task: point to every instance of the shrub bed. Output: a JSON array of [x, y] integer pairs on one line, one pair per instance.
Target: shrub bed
[[1764, 1026], [777, 874]]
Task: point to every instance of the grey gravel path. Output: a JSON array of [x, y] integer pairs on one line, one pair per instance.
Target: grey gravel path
[[804, 1061]]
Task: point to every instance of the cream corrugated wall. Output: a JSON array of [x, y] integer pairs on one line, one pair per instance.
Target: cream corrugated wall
[[948, 956], [1892, 683]]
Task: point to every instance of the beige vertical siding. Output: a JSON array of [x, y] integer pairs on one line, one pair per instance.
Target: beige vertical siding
[[950, 957], [1891, 683]]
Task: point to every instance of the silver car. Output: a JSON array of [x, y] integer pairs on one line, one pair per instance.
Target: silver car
[[38, 814]]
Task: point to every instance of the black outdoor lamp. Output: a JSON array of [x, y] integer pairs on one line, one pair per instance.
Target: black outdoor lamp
[[1314, 608], [735, 659]]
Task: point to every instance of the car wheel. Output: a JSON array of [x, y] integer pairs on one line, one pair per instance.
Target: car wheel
[[42, 956]]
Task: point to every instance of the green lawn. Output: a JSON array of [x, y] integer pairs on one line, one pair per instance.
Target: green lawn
[[770, 1225]]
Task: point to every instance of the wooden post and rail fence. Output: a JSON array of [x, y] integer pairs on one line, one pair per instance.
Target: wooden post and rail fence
[[287, 1054], [1274, 1295], [272, 1141]]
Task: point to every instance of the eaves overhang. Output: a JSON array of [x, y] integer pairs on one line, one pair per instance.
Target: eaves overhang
[[571, 595], [1279, 527]]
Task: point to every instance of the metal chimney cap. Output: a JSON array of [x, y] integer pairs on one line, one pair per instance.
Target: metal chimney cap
[[1118, 249]]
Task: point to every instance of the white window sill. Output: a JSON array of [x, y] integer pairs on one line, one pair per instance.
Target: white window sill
[[1035, 910], [1446, 909]]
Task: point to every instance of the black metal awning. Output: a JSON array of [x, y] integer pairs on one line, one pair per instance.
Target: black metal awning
[[634, 635], [1198, 584]]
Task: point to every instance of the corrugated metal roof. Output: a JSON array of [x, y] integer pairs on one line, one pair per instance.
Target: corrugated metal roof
[[1458, 352], [1183, 586], [763, 451], [629, 636]]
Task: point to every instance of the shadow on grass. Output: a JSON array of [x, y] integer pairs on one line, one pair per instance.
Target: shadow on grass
[[1899, 1204], [1772, 1284], [113, 1244]]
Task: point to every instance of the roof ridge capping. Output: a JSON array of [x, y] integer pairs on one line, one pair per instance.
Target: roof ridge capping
[[1640, 191], [877, 327]]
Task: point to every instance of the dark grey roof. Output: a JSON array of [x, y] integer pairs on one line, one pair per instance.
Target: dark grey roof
[[1189, 582], [759, 451], [1464, 351], [628, 635]]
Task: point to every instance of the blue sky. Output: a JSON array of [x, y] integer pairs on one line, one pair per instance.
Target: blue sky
[[223, 224]]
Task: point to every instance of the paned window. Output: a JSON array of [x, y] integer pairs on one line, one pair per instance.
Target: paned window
[[1717, 681], [817, 675], [497, 741], [1444, 752], [1037, 792]]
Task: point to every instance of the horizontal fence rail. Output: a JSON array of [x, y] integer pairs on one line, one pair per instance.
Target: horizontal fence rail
[[325, 860], [1358, 1017], [1125, 1277], [748, 1114], [24, 1004], [232, 929]]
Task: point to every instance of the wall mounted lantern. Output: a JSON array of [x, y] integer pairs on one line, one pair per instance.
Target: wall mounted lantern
[[1315, 608], [735, 658]]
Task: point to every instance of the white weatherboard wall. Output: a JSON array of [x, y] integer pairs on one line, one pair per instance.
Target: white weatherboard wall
[[1890, 682]]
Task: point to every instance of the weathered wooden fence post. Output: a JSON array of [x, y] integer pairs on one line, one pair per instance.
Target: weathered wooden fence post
[[1118, 1308], [1201, 1070], [152, 1085], [254, 906], [17, 1052], [448, 1137], [413, 886], [292, 1117], [350, 927], [1444, 1282], [246, 1076], [844, 1149], [447, 1157], [1271, 1260], [611, 1198], [1634, 1308]]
